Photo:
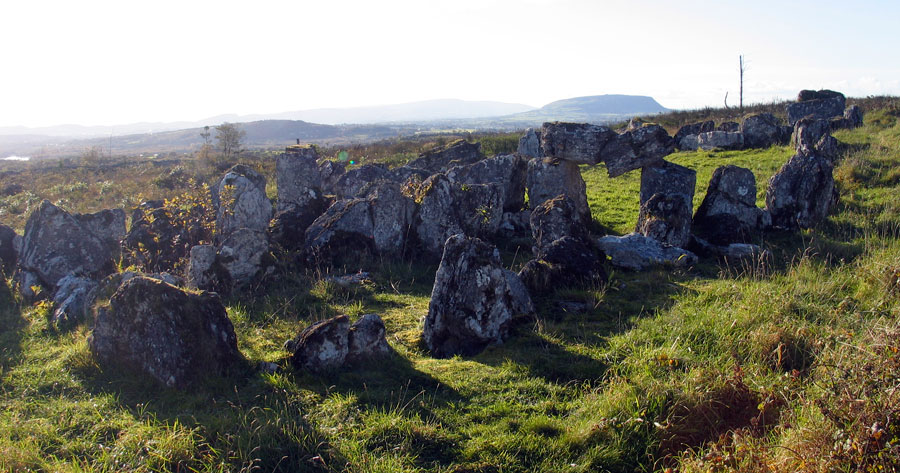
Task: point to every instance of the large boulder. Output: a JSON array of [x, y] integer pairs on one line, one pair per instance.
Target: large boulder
[[554, 219], [392, 216], [822, 104], [243, 256], [637, 148], [107, 224], [762, 130], [175, 337], [344, 233], [349, 185], [801, 192], [720, 140], [56, 244], [242, 202], [441, 159], [530, 144], [638, 252], [566, 261], [509, 171], [808, 132], [473, 301], [289, 224], [729, 213], [448, 208], [330, 344], [686, 137], [577, 142], [665, 218], [298, 177], [730, 127], [549, 177], [8, 249], [668, 178]]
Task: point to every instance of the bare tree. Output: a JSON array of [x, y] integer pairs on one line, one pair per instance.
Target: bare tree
[[743, 68], [207, 143]]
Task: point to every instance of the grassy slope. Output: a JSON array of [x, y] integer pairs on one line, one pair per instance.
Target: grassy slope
[[798, 356]]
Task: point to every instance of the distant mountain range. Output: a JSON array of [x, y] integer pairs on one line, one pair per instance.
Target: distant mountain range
[[326, 125]]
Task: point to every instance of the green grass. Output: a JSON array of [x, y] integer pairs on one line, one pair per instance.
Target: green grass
[[781, 366]]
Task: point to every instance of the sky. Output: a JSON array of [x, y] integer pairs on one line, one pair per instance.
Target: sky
[[95, 62]]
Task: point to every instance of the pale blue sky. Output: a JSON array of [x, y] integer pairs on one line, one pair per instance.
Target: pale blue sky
[[110, 62]]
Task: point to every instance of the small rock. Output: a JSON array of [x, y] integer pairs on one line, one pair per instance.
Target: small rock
[[637, 252], [322, 346], [366, 339]]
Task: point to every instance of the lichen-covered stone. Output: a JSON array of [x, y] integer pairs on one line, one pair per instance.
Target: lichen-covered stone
[[176, 337], [686, 137], [728, 213], [808, 132], [298, 177], [822, 104], [799, 195], [637, 252], [548, 178], [71, 301], [530, 144], [323, 346], [8, 250], [720, 140], [762, 130], [564, 262], [243, 256], [457, 153], [366, 339], [242, 202], [635, 149], [448, 208], [508, 171], [473, 301], [577, 142], [351, 183], [665, 218], [554, 219]]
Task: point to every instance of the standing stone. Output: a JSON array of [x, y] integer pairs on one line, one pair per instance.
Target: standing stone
[[108, 224], [242, 255], [448, 208], [548, 178], [290, 223], [720, 140], [176, 337], [242, 201], [55, 244], [329, 173], [297, 177], [644, 146], [456, 153], [530, 144], [729, 213], [822, 104], [577, 142], [762, 130], [808, 132], [344, 233], [508, 171], [564, 262], [473, 301], [800, 193], [665, 218], [201, 269], [668, 178], [554, 219], [392, 216]]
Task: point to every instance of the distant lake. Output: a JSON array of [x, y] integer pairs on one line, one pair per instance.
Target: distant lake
[[16, 158]]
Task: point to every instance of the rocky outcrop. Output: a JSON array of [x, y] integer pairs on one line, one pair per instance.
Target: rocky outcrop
[[822, 104], [473, 301], [729, 213], [567, 261], [173, 336], [530, 144], [723, 140], [242, 202], [457, 153], [686, 137], [554, 219], [637, 148], [508, 171], [56, 244], [762, 130], [637, 252], [448, 208], [298, 178], [548, 178], [576, 142], [330, 344], [799, 195]]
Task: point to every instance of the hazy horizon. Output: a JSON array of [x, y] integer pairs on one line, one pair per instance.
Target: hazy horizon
[[104, 63]]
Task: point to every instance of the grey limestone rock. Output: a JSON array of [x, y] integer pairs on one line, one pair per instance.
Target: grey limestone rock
[[392, 216], [331, 344], [242, 202], [730, 127], [201, 268], [762, 130], [366, 339], [330, 172], [344, 233], [686, 136], [577, 142], [554, 219], [564, 262], [71, 301], [637, 252], [720, 140], [508, 171], [352, 182], [243, 256], [473, 301], [441, 159], [8, 250], [808, 132], [548, 178], [728, 212], [176, 337], [530, 144], [637, 148], [822, 104], [665, 218], [801, 192], [298, 177], [107, 224]]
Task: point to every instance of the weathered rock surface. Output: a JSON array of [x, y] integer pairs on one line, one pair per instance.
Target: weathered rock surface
[[730, 127], [332, 343], [25, 282], [668, 178], [55, 244], [801, 192], [854, 116], [202, 270], [808, 132], [158, 241], [107, 224], [548, 178], [71, 301], [344, 232], [508, 171], [637, 252], [8, 250], [665, 218], [564, 262], [298, 178], [762, 130], [640, 147], [720, 140], [242, 201], [366, 339], [350, 183], [577, 142], [243, 255], [392, 216], [329, 174], [449, 208], [289, 224], [457, 153], [686, 136], [473, 300], [729, 213], [554, 219], [174, 336], [515, 224], [530, 144], [822, 104]]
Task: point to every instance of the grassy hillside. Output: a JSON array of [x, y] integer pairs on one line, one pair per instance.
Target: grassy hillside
[[791, 364]]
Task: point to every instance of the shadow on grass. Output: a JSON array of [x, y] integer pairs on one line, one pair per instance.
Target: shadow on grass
[[11, 325]]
